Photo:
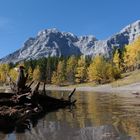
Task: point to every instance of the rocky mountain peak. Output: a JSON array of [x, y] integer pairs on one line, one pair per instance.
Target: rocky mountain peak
[[132, 30], [48, 31], [52, 42]]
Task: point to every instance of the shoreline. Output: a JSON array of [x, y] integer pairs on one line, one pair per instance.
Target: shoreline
[[107, 88]]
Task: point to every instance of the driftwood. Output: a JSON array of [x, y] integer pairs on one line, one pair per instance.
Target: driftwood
[[20, 105]]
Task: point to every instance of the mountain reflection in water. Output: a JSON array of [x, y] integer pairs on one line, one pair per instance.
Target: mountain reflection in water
[[96, 116]]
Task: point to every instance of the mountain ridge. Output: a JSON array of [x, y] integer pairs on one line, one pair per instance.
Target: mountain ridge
[[52, 42]]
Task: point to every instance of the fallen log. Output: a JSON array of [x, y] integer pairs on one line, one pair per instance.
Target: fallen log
[[70, 94], [25, 103], [15, 110]]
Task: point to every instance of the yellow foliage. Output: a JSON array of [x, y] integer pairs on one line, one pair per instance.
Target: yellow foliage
[[13, 74], [81, 72], [30, 72], [54, 78], [71, 68], [132, 55], [61, 72], [96, 70], [117, 60], [101, 71], [4, 70], [59, 77], [36, 74]]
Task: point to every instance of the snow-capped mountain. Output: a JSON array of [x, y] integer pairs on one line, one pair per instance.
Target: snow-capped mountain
[[52, 42]]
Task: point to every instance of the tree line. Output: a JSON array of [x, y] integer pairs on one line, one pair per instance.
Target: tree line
[[78, 69]]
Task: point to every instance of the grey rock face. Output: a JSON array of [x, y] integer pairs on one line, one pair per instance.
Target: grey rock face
[[52, 42], [132, 31]]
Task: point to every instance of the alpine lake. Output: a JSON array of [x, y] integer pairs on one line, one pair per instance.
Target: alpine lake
[[95, 116]]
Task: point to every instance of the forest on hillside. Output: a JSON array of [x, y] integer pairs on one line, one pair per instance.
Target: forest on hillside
[[73, 69]]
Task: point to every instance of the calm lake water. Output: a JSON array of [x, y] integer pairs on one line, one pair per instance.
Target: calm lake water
[[96, 116]]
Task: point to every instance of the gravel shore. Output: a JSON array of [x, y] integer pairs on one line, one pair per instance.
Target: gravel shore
[[107, 88]]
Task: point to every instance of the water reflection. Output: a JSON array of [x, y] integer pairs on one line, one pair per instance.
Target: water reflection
[[97, 116]]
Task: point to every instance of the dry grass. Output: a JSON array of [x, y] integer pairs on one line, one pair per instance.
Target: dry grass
[[127, 78]]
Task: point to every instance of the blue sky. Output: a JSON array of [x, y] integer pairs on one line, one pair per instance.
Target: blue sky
[[21, 19]]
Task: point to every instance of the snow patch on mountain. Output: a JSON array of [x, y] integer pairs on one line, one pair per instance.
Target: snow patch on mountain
[[52, 42]]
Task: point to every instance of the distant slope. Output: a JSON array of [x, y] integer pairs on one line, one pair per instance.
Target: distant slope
[[52, 42]]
